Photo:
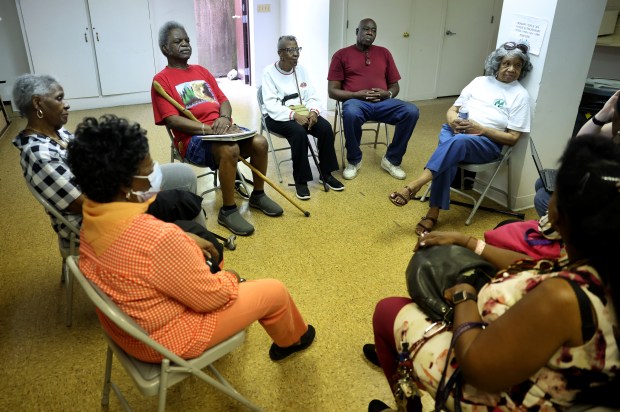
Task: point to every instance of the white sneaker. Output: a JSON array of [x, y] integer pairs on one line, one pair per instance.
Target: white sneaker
[[351, 170], [394, 170]]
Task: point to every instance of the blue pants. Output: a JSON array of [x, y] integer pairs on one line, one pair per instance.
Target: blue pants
[[452, 149], [541, 199], [391, 111], [199, 153]]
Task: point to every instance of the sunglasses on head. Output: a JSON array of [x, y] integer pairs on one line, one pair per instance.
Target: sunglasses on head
[[512, 45]]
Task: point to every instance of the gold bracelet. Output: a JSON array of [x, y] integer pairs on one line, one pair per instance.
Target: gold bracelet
[[203, 129]]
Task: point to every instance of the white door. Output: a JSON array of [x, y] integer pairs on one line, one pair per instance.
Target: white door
[[467, 34], [122, 36], [393, 30], [61, 45]]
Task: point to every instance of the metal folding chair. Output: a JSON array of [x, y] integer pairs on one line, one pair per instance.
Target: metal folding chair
[[273, 150], [240, 183], [155, 378], [339, 129], [495, 166], [67, 247]]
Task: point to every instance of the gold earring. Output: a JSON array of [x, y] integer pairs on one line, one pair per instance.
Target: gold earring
[[40, 114]]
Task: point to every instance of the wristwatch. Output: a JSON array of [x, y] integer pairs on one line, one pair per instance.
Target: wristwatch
[[461, 296]]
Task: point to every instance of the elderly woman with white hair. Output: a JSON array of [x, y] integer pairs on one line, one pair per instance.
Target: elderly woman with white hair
[[499, 111]]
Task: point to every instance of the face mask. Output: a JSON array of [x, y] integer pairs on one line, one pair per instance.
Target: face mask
[[155, 179]]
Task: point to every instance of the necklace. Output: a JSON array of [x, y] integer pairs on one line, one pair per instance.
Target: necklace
[[56, 139]]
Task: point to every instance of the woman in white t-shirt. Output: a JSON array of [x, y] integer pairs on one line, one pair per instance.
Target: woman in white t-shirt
[[498, 109]]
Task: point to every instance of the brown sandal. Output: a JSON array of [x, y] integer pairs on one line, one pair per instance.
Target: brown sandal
[[396, 198], [422, 228]]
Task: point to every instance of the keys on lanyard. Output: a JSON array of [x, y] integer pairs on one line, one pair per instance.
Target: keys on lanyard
[[404, 387]]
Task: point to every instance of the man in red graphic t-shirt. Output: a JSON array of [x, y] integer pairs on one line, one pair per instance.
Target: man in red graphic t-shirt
[[195, 88]]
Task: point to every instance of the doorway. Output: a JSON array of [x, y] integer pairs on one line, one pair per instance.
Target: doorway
[[223, 45], [467, 35]]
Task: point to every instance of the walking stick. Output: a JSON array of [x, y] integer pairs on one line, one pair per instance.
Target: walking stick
[[318, 166], [191, 116]]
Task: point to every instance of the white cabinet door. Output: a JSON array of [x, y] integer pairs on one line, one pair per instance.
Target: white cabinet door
[[60, 44], [123, 41]]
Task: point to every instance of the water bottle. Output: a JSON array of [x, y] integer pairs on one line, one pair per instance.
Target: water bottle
[[463, 113]]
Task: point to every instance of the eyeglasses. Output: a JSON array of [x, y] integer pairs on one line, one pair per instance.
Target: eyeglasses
[[512, 45], [367, 58], [291, 49]]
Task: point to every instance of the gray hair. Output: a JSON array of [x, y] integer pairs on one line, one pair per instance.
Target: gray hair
[[165, 31], [29, 85], [284, 39], [493, 61]]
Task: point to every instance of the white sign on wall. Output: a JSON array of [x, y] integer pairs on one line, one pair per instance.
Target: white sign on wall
[[528, 30]]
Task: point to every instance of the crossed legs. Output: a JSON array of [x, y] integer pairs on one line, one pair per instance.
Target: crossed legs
[[441, 169]]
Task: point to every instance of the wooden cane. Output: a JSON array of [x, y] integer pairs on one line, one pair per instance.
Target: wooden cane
[[160, 90]]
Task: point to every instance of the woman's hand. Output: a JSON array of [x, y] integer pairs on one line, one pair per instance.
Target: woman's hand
[[466, 126], [441, 238], [207, 248], [606, 113]]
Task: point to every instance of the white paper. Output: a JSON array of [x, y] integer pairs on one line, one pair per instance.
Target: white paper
[[528, 30]]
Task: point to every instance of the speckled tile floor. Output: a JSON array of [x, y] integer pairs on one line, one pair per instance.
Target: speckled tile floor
[[351, 252]]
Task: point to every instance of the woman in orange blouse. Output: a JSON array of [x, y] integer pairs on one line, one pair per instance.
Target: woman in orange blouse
[[151, 269]]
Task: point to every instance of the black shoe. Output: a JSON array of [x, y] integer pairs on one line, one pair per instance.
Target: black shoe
[[277, 353], [371, 354], [301, 191], [233, 220], [377, 406], [263, 203], [332, 183]]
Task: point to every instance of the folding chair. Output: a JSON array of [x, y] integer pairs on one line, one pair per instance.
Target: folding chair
[[273, 150], [154, 378], [481, 167], [240, 183], [375, 130], [67, 247]]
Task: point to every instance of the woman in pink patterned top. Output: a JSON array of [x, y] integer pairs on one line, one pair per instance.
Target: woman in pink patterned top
[[542, 335], [151, 269]]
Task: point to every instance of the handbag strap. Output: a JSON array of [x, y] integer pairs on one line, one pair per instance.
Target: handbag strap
[[455, 382], [297, 84]]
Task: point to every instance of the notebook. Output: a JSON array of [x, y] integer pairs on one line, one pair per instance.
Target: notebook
[[546, 175], [233, 137]]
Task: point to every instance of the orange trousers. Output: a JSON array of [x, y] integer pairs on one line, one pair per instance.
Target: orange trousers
[[268, 302]]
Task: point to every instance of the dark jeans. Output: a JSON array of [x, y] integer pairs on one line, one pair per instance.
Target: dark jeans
[[356, 112], [297, 137]]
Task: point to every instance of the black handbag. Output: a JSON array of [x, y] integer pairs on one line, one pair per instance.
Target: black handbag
[[434, 269]]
